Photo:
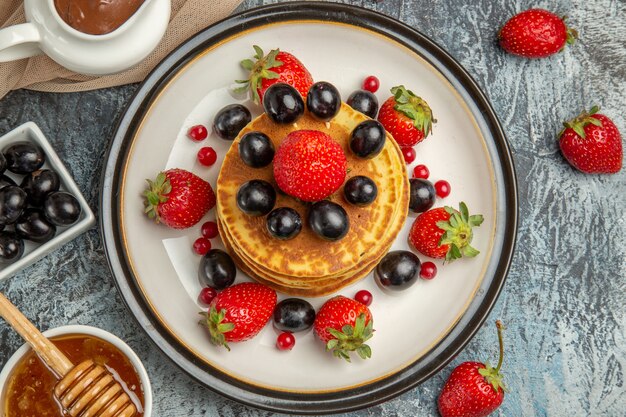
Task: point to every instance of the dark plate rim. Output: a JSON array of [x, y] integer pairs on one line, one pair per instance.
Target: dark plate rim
[[281, 401]]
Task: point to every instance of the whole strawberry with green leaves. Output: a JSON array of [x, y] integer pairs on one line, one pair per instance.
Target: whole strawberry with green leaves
[[275, 67], [445, 233], [536, 33], [344, 325], [406, 116], [178, 198], [474, 389], [238, 313], [592, 143]]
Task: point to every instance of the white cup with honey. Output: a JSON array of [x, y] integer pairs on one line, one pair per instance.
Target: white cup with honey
[[87, 36], [26, 385]]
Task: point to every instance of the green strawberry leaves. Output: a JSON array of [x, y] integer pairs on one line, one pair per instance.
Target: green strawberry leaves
[[415, 108], [351, 339], [492, 375], [458, 232], [259, 70], [584, 119], [156, 194], [214, 321]]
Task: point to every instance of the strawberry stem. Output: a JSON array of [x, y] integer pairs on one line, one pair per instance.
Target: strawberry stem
[[500, 328]]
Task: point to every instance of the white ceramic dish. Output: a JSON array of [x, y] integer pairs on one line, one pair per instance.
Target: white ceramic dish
[[91, 331], [45, 32], [418, 330], [35, 251]]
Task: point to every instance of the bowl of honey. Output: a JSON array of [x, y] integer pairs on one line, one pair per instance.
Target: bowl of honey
[[27, 385]]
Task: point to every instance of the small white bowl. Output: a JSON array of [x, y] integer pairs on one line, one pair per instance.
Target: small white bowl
[[34, 251], [91, 331]]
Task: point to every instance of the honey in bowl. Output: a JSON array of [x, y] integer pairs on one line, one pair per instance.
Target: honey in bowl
[[30, 388], [96, 17]]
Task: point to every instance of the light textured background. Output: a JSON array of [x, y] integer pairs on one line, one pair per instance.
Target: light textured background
[[564, 301]]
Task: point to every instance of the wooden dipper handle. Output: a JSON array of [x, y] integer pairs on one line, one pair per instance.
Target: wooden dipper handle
[[47, 351]]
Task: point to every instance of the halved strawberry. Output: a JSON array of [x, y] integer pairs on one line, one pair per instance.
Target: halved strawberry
[[406, 116], [238, 313], [344, 325], [178, 198], [444, 232], [275, 67], [309, 165]]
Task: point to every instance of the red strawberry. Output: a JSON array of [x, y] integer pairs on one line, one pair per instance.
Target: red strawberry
[[276, 67], [178, 198], [444, 232], [309, 165], [535, 33], [473, 389], [406, 116], [592, 143], [239, 312], [344, 325]]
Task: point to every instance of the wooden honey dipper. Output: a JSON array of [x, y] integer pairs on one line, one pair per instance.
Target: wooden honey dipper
[[84, 390]]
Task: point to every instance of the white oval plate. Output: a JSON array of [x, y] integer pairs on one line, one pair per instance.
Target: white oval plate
[[156, 268]]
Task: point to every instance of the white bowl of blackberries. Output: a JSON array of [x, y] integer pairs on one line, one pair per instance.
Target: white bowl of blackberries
[[40, 205]]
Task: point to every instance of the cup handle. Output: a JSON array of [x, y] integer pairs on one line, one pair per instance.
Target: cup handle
[[19, 41]]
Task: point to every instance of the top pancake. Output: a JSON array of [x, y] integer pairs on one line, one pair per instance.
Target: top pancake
[[308, 255]]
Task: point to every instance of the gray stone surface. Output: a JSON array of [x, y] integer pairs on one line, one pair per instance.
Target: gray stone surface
[[564, 301]]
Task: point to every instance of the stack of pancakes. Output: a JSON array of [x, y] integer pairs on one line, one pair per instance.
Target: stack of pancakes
[[308, 265]]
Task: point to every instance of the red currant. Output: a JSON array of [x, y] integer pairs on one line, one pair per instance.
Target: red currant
[[371, 84], [428, 270], [209, 230], [201, 246], [409, 155], [207, 295], [363, 297], [198, 133], [285, 341], [207, 156], [442, 188], [420, 171]]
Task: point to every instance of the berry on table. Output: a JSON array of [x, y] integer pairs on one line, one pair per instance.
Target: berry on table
[[207, 156], [364, 297], [371, 84], [209, 230], [285, 341], [201, 246], [474, 389], [207, 295], [536, 33], [592, 144], [421, 171], [198, 133], [409, 155], [428, 270], [442, 188]]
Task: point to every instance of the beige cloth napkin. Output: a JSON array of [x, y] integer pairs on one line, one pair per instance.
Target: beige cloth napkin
[[43, 74]]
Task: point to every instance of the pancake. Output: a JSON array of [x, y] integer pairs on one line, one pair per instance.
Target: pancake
[[307, 260]]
